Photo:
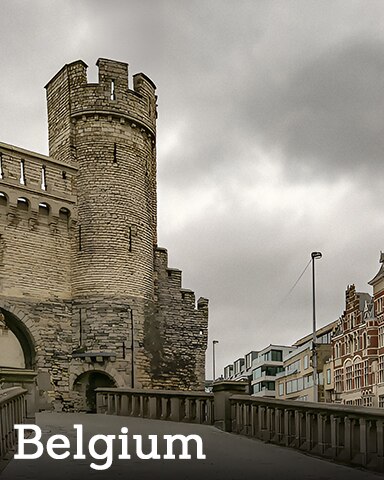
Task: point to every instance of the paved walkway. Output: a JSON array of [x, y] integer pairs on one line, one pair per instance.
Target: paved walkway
[[227, 456]]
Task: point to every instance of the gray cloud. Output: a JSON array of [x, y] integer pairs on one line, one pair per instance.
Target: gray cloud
[[270, 140]]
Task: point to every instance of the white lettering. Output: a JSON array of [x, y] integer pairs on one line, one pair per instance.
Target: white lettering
[[51, 445], [184, 442], [79, 455], [21, 455], [124, 445], [139, 448], [107, 455]]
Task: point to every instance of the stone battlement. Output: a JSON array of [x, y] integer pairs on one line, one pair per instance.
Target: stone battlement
[[36, 183], [70, 97]]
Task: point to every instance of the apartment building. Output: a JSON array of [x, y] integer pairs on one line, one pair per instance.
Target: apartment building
[[295, 382], [265, 368]]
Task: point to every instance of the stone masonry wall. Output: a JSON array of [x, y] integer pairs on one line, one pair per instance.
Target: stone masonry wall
[[183, 327]]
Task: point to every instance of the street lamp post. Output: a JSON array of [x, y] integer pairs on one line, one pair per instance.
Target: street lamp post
[[214, 358], [314, 255]]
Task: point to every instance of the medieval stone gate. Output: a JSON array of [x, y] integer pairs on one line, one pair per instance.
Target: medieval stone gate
[[86, 294]]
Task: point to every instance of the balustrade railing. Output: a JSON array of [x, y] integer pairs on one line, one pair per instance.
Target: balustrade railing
[[12, 411], [190, 407], [352, 435]]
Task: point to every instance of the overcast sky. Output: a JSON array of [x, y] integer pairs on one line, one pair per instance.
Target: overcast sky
[[270, 141]]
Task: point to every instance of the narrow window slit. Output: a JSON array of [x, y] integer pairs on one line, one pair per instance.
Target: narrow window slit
[[43, 178], [1, 166], [64, 175], [114, 153], [80, 245], [22, 172], [130, 239], [113, 95]]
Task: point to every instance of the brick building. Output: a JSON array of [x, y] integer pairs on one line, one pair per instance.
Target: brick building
[[86, 295], [355, 348]]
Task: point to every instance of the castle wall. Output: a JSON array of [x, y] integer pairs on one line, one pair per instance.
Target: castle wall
[[35, 232], [183, 328]]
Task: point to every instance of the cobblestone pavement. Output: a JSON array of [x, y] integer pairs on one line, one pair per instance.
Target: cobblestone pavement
[[227, 456]]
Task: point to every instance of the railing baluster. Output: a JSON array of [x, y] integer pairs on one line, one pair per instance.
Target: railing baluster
[[12, 411]]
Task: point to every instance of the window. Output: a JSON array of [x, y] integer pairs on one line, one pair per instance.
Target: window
[[64, 213], [339, 380], [274, 356], [113, 94], [270, 371], [328, 376], [43, 208], [3, 199], [325, 338], [43, 178], [22, 172], [306, 362], [337, 350], [366, 374], [358, 370], [293, 367], [259, 387], [381, 401], [22, 203], [307, 381], [379, 305], [300, 383], [381, 336], [348, 377], [380, 378], [281, 389]]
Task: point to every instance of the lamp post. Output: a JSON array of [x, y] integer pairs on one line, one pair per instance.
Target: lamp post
[[214, 359], [314, 255]]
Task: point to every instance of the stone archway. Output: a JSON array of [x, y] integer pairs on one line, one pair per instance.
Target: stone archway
[[85, 385], [19, 340]]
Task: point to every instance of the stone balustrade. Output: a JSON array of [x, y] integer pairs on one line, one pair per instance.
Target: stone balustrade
[[347, 434], [12, 411], [191, 407], [351, 435]]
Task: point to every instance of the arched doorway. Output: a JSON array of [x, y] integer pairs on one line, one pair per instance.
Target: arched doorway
[[17, 349], [86, 384]]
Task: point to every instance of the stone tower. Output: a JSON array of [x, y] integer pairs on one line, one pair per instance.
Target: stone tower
[[127, 317]]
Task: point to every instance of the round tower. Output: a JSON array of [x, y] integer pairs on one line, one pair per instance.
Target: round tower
[[108, 131]]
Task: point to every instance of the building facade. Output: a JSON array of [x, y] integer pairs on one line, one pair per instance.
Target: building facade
[[358, 347], [266, 368], [296, 382], [84, 287]]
